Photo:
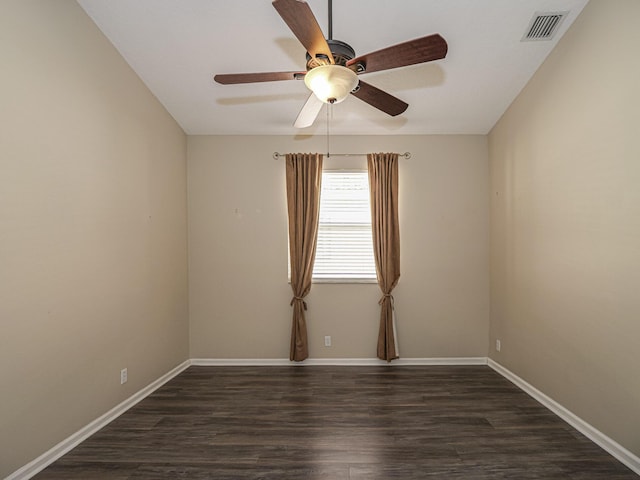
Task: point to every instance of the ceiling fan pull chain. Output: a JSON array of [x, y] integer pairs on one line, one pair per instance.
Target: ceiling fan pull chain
[[328, 146]]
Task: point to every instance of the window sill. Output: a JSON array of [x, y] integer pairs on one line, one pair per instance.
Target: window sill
[[344, 280]]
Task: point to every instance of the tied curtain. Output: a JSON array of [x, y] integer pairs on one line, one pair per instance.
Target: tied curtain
[[383, 189], [304, 179]]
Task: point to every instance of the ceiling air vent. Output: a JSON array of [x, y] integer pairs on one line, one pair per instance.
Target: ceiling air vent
[[543, 26]]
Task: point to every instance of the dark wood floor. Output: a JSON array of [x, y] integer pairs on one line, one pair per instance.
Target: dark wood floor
[[336, 423]]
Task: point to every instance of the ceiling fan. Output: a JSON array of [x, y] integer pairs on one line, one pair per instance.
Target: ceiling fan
[[333, 68]]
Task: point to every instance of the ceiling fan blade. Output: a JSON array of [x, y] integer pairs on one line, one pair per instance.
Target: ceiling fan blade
[[380, 99], [298, 16], [420, 50], [309, 112], [232, 78]]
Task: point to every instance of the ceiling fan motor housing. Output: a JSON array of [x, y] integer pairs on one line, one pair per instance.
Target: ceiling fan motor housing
[[342, 53]]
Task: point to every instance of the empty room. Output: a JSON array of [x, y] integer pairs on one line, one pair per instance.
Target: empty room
[[321, 239]]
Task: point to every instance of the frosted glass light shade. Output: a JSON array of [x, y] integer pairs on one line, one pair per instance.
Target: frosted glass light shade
[[331, 83]]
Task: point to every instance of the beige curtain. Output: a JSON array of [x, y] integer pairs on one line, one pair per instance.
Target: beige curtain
[[304, 178], [383, 188]]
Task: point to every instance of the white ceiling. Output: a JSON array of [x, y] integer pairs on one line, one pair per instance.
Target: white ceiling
[[176, 46]]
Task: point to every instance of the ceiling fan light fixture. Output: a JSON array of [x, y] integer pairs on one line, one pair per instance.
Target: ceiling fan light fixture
[[331, 83]]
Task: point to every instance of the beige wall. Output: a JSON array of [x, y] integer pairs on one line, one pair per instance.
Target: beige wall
[[93, 273], [565, 224], [239, 295]]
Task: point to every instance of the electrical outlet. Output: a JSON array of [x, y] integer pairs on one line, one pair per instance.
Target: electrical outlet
[[327, 340], [498, 345], [123, 376]]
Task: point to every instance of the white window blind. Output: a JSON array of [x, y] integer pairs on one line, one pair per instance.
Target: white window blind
[[344, 251]]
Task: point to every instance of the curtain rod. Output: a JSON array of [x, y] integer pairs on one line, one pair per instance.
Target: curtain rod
[[406, 155]]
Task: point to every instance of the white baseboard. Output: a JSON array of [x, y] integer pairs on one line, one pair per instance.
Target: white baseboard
[[239, 362], [50, 456], [257, 362], [589, 431]]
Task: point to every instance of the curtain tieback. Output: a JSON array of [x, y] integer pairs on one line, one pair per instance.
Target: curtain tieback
[[304, 304], [386, 295]]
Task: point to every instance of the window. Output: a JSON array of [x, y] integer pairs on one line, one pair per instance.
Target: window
[[344, 252]]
